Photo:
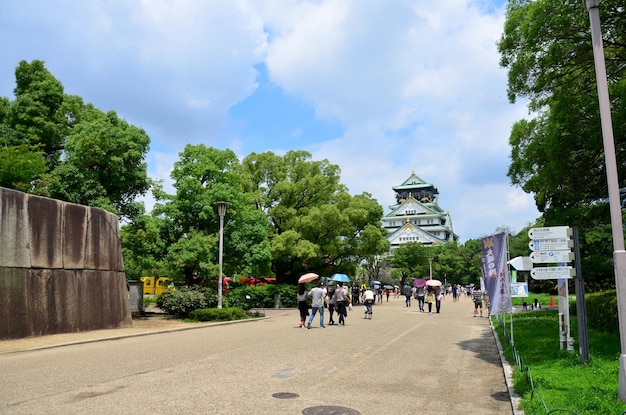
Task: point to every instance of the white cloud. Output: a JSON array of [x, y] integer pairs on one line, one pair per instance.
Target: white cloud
[[414, 85]]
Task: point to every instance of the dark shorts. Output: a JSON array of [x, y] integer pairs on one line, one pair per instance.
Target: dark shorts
[[478, 304]]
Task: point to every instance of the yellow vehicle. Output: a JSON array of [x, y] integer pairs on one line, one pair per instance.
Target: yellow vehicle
[[156, 285]]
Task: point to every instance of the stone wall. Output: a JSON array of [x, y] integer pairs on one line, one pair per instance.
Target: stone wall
[[61, 268]]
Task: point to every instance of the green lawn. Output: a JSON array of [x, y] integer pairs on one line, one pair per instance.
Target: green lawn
[[559, 378]]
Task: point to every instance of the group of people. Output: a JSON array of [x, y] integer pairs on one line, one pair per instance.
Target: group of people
[[425, 296], [335, 300]]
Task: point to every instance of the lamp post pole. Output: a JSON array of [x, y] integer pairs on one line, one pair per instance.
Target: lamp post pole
[[430, 265], [619, 254], [221, 211]]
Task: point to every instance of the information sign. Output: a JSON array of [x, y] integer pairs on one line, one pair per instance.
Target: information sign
[[550, 233], [559, 244], [548, 257], [552, 273]]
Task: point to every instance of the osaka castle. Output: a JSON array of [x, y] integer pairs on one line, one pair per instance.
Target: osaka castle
[[416, 216]]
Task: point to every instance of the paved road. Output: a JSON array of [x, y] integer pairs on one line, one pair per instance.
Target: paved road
[[402, 361]]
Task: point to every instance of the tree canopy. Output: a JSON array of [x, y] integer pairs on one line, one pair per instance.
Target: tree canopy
[[54, 145], [557, 154]]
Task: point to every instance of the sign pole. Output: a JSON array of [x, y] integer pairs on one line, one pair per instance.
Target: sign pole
[[581, 308], [610, 159]]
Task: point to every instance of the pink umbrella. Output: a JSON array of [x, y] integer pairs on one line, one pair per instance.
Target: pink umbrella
[[308, 277], [419, 282], [433, 283]]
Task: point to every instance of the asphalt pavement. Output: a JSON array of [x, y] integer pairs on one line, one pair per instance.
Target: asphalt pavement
[[427, 363]]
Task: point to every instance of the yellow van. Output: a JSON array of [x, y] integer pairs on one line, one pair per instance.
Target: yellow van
[[156, 286]]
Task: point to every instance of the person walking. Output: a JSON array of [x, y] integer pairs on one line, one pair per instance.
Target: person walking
[[303, 307], [318, 300], [430, 299], [438, 301], [332, 306], [406, 290], [341, 299], [478, 302], [420, 298]]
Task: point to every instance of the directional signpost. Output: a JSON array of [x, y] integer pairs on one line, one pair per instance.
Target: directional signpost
[[552, 246], [551, 257], [550, 233], [552, 273]]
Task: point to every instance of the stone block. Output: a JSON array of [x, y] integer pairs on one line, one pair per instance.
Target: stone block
[[103, 249], [74, 235], [14, 234], [45, 220]]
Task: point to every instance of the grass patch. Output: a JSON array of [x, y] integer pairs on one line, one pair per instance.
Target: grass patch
[[559, 378]]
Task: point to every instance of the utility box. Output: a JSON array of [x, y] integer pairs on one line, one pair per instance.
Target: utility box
[[135, 296]]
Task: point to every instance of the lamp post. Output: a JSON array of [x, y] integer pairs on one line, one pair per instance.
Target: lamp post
[[430, 265], [619, 254], [221, 211]]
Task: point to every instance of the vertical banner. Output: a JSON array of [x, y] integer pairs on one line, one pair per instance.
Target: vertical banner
[[495, 273]]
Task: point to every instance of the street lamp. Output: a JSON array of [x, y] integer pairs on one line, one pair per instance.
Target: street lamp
[[430, 264], [221, 211], [619, 254]]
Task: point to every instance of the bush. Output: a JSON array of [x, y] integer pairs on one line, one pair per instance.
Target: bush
[[180, 303], [602, 311], [262, 296], [219, 314]]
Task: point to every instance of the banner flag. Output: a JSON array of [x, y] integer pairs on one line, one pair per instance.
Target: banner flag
[[495, 273]]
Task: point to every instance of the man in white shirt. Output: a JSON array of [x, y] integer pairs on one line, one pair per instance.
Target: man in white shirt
[[318, 300]]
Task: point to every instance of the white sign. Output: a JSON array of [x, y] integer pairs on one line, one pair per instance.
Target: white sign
[[550, 233], [548, 257], [552, 273], [559, 244]]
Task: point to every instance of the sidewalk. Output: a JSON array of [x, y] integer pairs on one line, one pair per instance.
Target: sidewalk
[[142, 326]]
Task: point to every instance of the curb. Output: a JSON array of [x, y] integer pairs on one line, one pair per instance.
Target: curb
[[508, 374], [128, 335]]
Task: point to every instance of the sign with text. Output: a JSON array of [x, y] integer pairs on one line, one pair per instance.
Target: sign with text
[[552, 273], [549, 257], [550, 233], [558, 244]]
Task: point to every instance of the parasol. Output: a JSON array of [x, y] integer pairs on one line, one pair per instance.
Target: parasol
[[419, 282], [308, 277], [433, 283], [340, 278]]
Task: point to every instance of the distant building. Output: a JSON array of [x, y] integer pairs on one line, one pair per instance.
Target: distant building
[[417, 217]]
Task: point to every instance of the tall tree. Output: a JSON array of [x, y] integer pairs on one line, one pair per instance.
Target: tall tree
[[202, 177], [55, 145], [546, 47], [558, 154], [316, 225]]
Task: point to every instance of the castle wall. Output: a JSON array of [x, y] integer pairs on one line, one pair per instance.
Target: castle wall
[[61, 268]]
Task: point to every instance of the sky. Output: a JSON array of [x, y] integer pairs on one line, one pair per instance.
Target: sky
[[380, 88]]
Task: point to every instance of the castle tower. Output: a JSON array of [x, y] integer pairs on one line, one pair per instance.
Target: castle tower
[[416, 216]]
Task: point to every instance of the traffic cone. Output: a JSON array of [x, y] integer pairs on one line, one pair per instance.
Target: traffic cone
[[551, 301]]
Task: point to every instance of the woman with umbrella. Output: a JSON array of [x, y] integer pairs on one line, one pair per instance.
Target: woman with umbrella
[[303, 306]]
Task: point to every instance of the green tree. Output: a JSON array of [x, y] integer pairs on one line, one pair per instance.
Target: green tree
[[411, 259], [558, 154], [315, 224], [202, 177], [54, 145], [103, 166]]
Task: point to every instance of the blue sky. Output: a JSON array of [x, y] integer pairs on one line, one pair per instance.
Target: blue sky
[[379, 87]]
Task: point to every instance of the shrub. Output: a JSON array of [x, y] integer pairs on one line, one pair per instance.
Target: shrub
[[262, 296], [602, 311], [218, 314], [180, 303]]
